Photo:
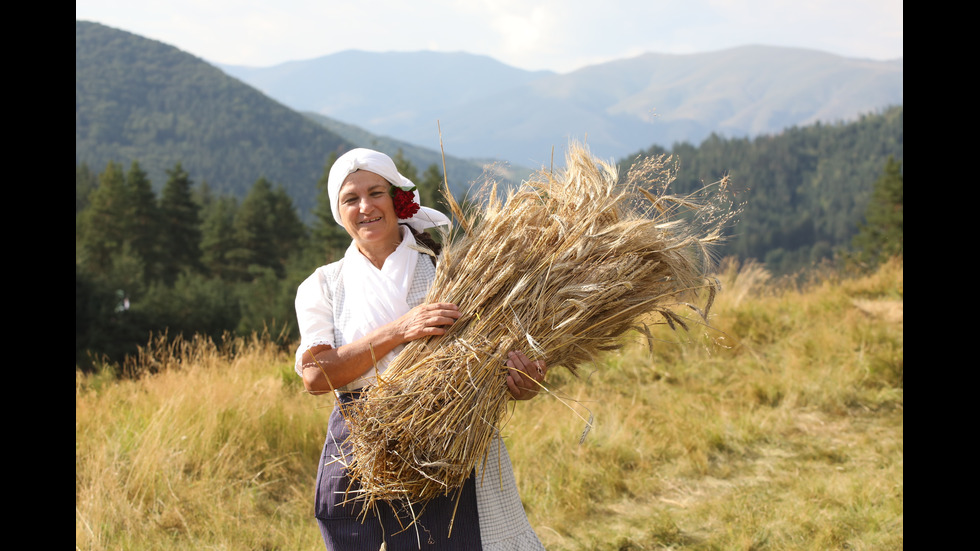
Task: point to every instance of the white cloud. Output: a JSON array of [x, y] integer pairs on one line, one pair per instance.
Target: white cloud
[[533, 34]]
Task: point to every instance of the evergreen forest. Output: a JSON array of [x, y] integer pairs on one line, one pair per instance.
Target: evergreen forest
[[804, 191], [191, 262]]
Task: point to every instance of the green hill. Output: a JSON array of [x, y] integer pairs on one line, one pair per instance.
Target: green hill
[[805, 190], [462, 173], [141, 100]]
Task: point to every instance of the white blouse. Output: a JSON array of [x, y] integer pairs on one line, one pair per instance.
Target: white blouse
[[321, 310]]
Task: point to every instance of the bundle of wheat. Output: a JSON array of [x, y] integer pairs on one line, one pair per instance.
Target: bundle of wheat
[[561, 269]]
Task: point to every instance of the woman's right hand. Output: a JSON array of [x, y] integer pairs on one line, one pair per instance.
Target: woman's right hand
[[426, 320]]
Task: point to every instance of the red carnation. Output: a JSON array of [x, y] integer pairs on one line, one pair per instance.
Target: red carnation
[[405, 205]]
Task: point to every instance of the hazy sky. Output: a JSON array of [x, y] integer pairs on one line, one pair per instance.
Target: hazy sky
[[560, 35]]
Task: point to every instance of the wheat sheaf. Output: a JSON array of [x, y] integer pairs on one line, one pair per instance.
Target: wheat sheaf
[[561, 269]]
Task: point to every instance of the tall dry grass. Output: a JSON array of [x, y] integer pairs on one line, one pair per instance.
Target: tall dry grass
[[783, 429], [213, 451]]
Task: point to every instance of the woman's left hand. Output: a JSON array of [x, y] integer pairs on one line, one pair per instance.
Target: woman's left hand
[[524, 377]]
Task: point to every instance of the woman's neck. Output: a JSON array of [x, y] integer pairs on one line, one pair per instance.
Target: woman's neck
[[377, 253]]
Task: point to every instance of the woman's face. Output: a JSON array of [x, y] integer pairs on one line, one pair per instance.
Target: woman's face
[[367, 210]]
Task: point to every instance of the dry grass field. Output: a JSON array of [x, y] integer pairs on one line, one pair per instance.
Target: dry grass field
[[782, 427]]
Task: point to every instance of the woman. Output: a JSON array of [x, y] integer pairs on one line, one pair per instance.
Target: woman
[[354, 316]]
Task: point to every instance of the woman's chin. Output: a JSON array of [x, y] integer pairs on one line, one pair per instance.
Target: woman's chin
[[377, 232]]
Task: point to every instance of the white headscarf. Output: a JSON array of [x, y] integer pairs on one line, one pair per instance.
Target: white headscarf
[[377, 297], [382, 165]]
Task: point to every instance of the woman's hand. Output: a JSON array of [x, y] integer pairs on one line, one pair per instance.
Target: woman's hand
[[426, 320], [524, 377]]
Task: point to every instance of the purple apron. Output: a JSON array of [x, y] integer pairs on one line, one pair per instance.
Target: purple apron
[[344, 529]]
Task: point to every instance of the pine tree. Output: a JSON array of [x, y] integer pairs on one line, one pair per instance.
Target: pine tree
[[430, 189], [102, 228], [143, 220], [180, 235], [405, 167], [329, 239], [85, 184], [218, 240], [882, 236], [107, 235], [253, 226], [267, 229], [203, 196], [288, 232]]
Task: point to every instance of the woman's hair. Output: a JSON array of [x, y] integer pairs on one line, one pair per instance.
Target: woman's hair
[[426, 240]]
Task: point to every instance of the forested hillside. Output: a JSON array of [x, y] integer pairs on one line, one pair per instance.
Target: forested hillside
[[805, 190], [140, 100]]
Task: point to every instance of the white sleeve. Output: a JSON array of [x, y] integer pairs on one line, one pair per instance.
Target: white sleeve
[[314, 315]]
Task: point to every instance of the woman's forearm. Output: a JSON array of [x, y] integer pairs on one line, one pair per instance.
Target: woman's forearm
[[326, 368]]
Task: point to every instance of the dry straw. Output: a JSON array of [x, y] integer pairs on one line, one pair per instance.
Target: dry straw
[[561, 270]]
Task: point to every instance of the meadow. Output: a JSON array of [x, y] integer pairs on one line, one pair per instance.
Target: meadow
[[779, 427]]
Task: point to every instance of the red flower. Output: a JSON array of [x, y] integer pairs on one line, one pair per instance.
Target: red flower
[[405, 205]]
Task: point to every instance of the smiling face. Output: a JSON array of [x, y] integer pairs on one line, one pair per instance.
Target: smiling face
[[367, 210]]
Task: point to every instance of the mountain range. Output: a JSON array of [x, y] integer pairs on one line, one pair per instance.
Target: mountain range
[[138, 99], [486, 109]]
